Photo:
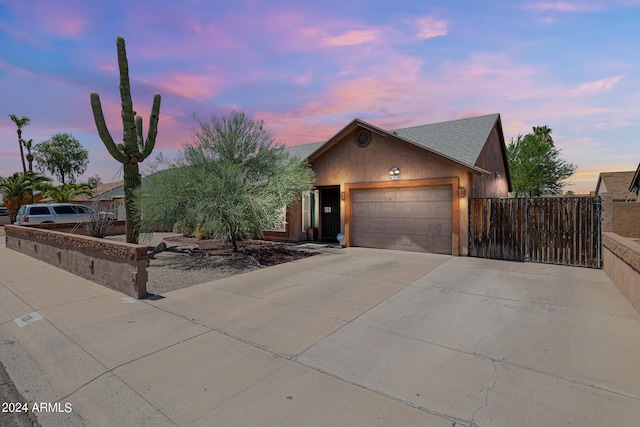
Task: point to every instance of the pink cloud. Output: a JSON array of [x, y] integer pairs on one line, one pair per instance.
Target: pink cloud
[[596, 86], [293, 129], [351, 38], [429, 27], [66, 25], [69, 21], [560, 93], [564, 6], [211, 36], [192, 86], [107, 68]]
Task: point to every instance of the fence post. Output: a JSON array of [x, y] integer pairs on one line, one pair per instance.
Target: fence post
[[606, 200], [600, 226], [526, 230]]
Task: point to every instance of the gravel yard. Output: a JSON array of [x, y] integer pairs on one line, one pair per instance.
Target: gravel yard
[[186, 261]]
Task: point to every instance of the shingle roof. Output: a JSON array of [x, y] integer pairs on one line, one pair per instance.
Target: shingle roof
[[303, 151], [616, 183], [99, 191], [109, 191], [461, 140]]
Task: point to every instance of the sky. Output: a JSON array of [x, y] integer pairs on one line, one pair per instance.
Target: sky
[[307, 68]]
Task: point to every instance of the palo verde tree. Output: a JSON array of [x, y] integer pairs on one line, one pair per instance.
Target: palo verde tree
[[20, 123], [231, 183], [535, 164], [63, 156], [134, 148]]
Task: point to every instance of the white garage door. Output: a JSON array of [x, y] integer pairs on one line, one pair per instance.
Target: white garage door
[[412, 219]]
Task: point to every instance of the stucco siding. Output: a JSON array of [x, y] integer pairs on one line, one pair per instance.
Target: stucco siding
[[347, 163], [491, 159]]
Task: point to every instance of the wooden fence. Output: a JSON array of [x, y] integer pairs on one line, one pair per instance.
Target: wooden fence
[[554, 230]]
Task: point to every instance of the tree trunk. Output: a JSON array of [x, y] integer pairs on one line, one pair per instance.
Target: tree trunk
[[13, 206], [24, 166]]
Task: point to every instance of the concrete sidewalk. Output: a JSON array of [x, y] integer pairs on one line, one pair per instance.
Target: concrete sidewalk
[[369, 337]]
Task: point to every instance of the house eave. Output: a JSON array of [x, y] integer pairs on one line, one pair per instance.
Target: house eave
[[635, 182]]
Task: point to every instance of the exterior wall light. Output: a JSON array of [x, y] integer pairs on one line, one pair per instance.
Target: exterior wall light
[[394, 171]]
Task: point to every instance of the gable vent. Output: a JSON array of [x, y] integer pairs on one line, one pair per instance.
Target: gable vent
[[363, 138]]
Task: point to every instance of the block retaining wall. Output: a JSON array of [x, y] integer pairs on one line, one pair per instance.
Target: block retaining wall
[[115, 265], [621, 259], [626, 219], [118, 227]]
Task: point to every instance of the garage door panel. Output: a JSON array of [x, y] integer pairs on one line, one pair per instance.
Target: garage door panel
[[416, 219], [429, 243]]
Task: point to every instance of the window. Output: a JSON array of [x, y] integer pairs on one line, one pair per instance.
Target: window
[[64, 210], [81, 209], [39, 210]]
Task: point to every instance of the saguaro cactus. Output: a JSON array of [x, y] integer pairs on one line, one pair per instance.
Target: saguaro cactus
[[134, 149]]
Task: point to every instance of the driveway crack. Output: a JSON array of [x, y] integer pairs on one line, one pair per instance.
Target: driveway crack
[[486, 395]]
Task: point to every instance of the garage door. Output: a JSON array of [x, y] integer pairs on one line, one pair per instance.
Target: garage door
[[412, 219]]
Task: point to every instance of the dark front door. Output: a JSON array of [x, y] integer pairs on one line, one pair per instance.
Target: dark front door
[[330, 213]]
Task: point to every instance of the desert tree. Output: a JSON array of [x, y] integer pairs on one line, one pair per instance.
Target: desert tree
[[63, 156], [17, 190], [94, 181], [536, 167], [231, 182]]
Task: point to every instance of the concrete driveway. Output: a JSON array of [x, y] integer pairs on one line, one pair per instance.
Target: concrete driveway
[[368, 337]]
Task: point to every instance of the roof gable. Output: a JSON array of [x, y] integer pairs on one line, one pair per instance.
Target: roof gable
[[458, 141], [616, 183]]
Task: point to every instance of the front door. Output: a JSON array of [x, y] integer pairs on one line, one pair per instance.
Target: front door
[[330, 213]]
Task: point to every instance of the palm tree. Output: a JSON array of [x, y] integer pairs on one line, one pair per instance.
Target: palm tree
[[20, 122], [67, 192], [17, 189], [543, 132]]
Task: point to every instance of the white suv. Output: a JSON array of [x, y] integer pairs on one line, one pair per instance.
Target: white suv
[[56, 213]]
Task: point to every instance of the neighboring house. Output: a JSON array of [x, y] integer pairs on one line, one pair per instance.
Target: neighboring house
[[634, 186], [625, 213], [109, 197], [616, 183], [404, 189]]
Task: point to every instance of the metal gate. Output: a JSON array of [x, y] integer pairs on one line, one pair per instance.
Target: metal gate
[[553, 230]]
